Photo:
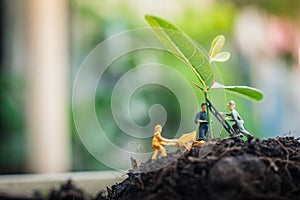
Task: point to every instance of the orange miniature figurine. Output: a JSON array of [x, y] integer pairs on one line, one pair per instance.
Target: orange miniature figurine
[[185, 142], [158, 143]]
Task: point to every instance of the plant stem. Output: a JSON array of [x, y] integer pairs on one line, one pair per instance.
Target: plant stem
[[208, 114]]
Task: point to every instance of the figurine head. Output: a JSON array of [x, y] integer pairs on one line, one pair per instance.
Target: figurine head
[[158, 128], [203, 107], [231, 105]]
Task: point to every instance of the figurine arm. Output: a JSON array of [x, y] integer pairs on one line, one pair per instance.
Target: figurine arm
[[158, 136], [169, 140], [163, 140], [197, 118], [230, 115], [169, 143], [225, 114], [234, 116]]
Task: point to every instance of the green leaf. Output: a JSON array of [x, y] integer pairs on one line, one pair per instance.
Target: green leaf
[[183, 47], [245, 91], [216, 46], [248, 92], [221, 57]]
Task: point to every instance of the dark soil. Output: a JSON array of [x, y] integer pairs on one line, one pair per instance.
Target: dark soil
[[230, 169], [67, 191]]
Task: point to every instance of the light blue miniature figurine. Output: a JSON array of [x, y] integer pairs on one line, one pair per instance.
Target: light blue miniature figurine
[[238, 126]]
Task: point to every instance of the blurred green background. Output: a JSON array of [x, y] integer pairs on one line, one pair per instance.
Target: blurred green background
[[263, 39]]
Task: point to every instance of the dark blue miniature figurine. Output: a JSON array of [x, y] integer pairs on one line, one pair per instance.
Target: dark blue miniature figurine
[[201, 118]]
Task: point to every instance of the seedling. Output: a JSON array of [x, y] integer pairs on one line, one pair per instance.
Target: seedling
[[183, 47]]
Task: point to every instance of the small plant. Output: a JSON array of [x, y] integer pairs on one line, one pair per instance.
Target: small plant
[[182, 46]]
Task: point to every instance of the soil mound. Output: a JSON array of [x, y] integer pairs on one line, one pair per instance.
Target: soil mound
[[220, 169]]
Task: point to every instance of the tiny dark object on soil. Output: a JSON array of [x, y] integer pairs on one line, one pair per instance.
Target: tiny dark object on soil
[[230, 169]]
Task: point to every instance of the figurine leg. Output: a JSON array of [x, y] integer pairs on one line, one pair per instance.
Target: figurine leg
[[236, 128], [247, 134], [154, 156], [244, 132], [201, 133], [163, 151], [205, 131]]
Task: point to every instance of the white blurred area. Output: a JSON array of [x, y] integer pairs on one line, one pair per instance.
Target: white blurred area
[[264, 40], [47, 96], [37, 47]]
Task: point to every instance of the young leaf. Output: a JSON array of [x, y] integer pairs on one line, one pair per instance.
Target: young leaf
[[249, 92], [183, 47], [245, 91], [216, 46], [221, 57]]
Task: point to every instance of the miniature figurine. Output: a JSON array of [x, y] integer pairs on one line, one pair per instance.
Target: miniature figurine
[[158, 143], [201, 118], [238, 126], [185, 142]]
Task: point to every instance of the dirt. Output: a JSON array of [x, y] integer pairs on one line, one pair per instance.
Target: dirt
[[231, 169], [220, 169]]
